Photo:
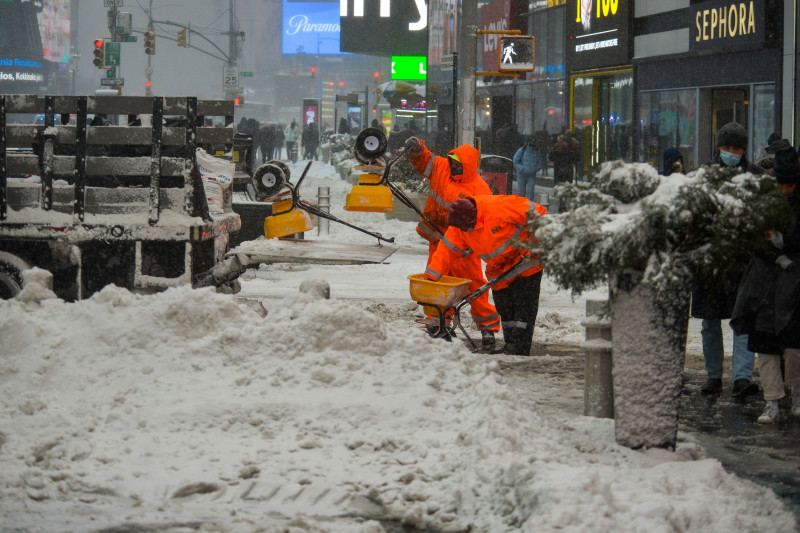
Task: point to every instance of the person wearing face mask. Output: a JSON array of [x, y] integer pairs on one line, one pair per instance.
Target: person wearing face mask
[[768, 304], [713, 299], [673, 162], [452, 178]]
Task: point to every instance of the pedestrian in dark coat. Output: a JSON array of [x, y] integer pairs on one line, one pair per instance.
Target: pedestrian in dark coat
[[267, 142], [564, 155], [280, 139], [673, 161], [768, 305], [713, 298]]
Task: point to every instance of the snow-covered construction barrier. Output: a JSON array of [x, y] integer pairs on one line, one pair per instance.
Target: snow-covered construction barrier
[[108, 190]]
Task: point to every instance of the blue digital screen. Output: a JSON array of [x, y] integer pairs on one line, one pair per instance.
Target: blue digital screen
[[311, 28]]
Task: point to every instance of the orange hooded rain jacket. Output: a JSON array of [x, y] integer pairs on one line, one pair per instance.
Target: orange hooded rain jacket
[[501, 219], [445, 189]]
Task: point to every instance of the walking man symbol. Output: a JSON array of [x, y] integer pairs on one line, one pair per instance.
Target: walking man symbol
[[508, 51]]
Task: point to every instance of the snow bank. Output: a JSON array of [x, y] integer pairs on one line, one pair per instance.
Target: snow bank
[[189, 407]]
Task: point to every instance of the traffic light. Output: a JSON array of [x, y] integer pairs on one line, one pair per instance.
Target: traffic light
[[182, 37], [238, 101], [377, 77], [150, 42], [99, 53], [313, 71]]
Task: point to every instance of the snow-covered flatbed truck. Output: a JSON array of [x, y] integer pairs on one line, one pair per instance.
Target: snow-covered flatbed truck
[[111, 204]]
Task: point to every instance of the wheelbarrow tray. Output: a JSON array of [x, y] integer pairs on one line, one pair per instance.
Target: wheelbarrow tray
[[442, 294]]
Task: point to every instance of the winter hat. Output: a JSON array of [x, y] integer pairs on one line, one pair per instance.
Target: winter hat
[[732, 134], [770, 149], [670, 156], [463, 214], [786, 169]]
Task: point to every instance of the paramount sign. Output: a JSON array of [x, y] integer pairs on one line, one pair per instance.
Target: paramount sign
[[310, 27]]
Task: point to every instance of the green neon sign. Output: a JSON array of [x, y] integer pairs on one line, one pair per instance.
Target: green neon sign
[[409, 67]]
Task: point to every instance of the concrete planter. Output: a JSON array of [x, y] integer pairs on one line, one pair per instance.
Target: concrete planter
[[648, 358]]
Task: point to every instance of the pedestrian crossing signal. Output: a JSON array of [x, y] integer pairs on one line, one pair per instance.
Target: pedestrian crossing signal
[[238, 100], [517, 53]]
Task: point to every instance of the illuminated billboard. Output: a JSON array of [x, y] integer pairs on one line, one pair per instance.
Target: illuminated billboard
[[597, 33], [385, 27], [310, 27], [54, 27]]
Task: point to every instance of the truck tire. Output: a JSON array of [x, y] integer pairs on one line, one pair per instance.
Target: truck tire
[[11, 267]]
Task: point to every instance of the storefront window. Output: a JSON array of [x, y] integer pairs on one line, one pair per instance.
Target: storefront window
[[667, 119], [603, 118], [763, 117], [540, 107], [548, 29]]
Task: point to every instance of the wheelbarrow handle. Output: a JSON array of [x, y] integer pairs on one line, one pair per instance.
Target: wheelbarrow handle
[[320, 213], [506, 274], [400, 195]]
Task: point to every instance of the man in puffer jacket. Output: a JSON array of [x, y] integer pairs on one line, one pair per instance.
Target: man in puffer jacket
[[452, 178], [527, 162]]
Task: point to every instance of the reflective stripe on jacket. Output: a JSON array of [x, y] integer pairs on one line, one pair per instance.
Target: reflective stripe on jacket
[[500, 222], [445, 188]]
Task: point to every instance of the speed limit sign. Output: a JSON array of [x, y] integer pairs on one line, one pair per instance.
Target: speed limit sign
[[230, 77]]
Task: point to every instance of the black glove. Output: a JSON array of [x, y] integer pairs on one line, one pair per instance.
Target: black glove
[[413, 146]]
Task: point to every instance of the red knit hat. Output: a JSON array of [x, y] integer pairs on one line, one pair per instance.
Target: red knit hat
[[463, 214]]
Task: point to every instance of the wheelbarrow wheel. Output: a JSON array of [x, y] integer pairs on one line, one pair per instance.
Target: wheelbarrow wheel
[[269, 179], [371, 144]]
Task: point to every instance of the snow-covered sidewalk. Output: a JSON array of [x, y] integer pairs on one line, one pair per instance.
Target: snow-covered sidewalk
[[190, 410]]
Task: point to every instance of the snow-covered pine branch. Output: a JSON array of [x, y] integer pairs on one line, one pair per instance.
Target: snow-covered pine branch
[[673, 229]]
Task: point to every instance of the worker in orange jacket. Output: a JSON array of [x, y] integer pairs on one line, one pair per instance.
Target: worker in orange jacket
[[488, 227], [452, 178]]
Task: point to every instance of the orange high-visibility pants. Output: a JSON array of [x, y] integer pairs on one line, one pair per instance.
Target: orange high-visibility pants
[[483, 313]]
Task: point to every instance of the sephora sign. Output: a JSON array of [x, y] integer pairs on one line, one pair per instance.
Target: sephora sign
[[384, 27]]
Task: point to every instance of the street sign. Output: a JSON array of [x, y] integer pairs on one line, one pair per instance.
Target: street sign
[[349, 98], [112, 55], [112, 82], [230, 77], [246, 74], [447, 62], [517, 53], [112, 3]]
